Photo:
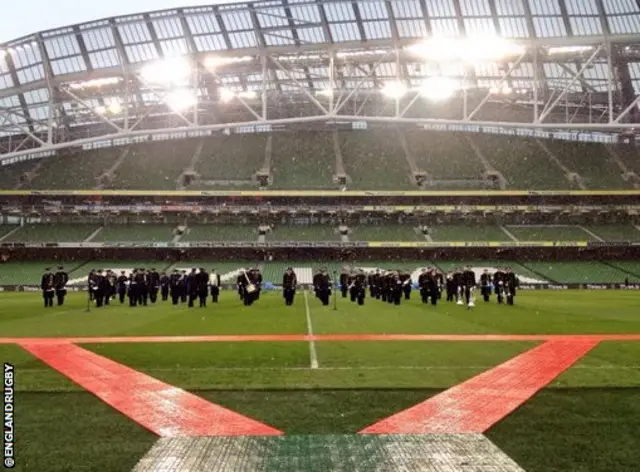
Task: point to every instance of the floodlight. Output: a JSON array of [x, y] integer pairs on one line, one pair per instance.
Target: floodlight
[[395, 90], [100, 110], [213, 61], [471, 49], [114, 108], [328, 92], [181, 99], [568, 49], [226, 95], [249, 94], [438, 88], [175, 71]]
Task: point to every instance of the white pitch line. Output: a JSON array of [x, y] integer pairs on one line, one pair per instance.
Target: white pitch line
[[313, 355]]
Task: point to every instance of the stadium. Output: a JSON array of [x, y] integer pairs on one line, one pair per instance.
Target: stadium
[[455, 185]]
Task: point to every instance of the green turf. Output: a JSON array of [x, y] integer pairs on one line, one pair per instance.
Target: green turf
[[579, 430], [536, 312]]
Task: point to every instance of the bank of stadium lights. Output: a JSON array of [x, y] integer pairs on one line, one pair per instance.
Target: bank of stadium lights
[[325, 92], [172, 71], [181, 99], [568, 50], [394, 90], [465, 49], [438, 89], [96, 83], [226, 95], [214, 62]]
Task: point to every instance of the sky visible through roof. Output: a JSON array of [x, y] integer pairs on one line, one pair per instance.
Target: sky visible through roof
[[22, 18]]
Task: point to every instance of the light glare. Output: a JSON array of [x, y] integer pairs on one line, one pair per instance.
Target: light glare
[[181, 99], [438, 89], [174, 71], [394, 90]]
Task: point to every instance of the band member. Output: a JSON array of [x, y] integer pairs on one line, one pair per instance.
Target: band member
[[405, 279], [214, 281], [344, 281], [91, 283], [164, 286], [250, 287], [122, 283], [359, 287], [384, 286], [440, 282], [133, 288], [395, 288], [450, 287], [192, 287], [432, 286], [323, 287], [498, 284], [485, 283], [422, 283], [102, 288], [374, 284], [289, 283], [458, 283], [154, 285], [184, 289], [175, 286], [109, 285], [256, 277], [202, 281], [511, 283], [60, 280], [143, 287], [241, 282], [47, 285], [469, 281]]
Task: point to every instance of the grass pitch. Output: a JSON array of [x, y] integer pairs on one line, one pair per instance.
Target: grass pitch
[[587, 419]]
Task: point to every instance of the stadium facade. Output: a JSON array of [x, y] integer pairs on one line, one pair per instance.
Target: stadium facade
[[552, 66]]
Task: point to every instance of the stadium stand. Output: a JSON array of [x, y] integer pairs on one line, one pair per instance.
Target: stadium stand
[[220, 233], [87, 165], [27, 272], [6, 229], [550, 233], [52, 233], [591, 161], [630, 155], [303, 160], [628, 267], [304, 233], [519, 269], [520, 160], [134, 233], [579, 272], [385, 233], [12, 175], [154, 165], [375, 161], [230, 162], [468, 233], [446, 157], [615, 232]]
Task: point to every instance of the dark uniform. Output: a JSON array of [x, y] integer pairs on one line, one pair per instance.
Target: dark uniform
[[250, 287], [184, 288], [432, 286], [344, 282], [485, 285], [102, 288], [175, 286], [202, 281], [214, 279], [256, 279], [395, 288], [405, 279], [47, 285], [60, 280], [143, 287], [458, 285], [359, 288], [469, 281], [122, 283], [164, 286], [289, 283], [133, 288], [511, 283], [422, 284], [109, 286], [154, 285], [322, 286], [91, 283], [192, 287], [498, 284], [374, 284]]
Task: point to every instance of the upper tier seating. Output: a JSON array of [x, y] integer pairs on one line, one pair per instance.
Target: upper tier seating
[[41, 233], [303, 160], [220, 233], [375, 160], [135, 233], [303, 233], [236, 157], [550, 233], [385, 233], [468, 233]]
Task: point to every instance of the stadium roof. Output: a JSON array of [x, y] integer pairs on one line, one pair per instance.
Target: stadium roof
[[562, 63]]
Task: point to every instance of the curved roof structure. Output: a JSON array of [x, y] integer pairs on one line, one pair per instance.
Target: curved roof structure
[[569, 64]]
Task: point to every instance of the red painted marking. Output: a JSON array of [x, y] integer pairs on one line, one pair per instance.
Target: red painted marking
[[480, 402], [325, 337], [161, 408]]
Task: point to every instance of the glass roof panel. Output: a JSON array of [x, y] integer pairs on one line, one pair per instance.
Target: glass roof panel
[[212, 42], [549, 26], [102, 59], [441, 8], [167, 28], [620, 6], [373, 10], [204, 23], [509, 7], [141, 52], [412, 29], [311, 35], [279, 38], [272, 17], [444, 27], [377, 29], [581, 7], [339, 12], [305, 14], [246, 39], [406, 9], [544, 7], [101, 38], [624, 24], [134, 33], [475, 7], [344, 32], [30, 74], [23, 57], [5, 81], [237, 21], [585, 25], [479, 27], [36, 96], [514, 27], [62, 46]]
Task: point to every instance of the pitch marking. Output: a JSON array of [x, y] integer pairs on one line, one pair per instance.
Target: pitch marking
[[313, 355]]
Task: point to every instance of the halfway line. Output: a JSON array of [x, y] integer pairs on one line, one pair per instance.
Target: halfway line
[[313, 355]]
